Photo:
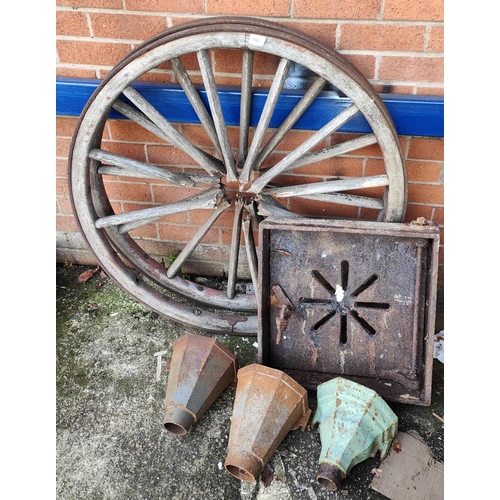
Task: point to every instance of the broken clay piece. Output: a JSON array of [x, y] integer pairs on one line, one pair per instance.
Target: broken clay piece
[[410, 471]]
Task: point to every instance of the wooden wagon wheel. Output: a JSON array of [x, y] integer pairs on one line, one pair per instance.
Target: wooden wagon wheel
[[248, 185]]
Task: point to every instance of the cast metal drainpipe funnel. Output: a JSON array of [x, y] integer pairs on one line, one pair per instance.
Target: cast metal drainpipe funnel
[[200, 370], [268, 404], [354, 423]]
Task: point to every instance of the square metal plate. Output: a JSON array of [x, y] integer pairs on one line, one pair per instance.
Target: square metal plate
[[350, 298]]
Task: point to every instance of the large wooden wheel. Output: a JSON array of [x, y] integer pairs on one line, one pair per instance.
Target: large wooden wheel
[[248, 181]]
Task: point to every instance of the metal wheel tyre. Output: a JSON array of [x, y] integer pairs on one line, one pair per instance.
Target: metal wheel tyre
[[211, 179]]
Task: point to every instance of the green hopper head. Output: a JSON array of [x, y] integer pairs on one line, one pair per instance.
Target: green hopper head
[[354, 423]]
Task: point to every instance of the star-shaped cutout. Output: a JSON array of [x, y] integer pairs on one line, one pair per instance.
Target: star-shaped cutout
[[341, 304]]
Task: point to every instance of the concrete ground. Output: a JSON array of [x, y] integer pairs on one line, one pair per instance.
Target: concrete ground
[[110, 440]]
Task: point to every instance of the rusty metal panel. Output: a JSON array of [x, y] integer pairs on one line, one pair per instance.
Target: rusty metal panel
[[350, 298]]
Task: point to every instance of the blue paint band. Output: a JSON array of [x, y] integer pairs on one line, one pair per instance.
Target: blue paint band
[[412, 114]]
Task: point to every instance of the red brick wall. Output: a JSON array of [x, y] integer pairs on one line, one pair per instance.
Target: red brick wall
[[396, 44]]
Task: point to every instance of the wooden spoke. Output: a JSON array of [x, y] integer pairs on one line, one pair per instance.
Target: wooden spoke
[[170, 132], [200, 234], [245, 104], [139, 118], [235, 248], [218, 117], [204, 179], [347, 199], [268, 207], [198, 180], [305, 147], [251, 253], [196, 102], [290, 120], [251, 208], [206, 199], [265, 118], [139, 168], [346, 184], [130, 226], [333, 151]]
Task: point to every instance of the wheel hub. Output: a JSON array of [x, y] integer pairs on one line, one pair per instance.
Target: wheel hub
[[234, 190]]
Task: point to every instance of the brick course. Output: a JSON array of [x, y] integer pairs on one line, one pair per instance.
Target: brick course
[[187, 6], [382, 37], [436, 39], [348, 9], [72, 23], [91, 53], [416, 69], [126, 26], [248, 7], [408, 10], [384, 45], [98, 4]]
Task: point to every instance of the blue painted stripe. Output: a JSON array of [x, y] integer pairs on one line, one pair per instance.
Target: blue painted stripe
[[412, 115]]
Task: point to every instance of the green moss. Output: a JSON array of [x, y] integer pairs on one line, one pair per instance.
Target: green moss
[[244, 348], [171, 260]]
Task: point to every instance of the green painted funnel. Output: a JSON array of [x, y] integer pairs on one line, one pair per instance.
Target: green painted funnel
[[354, 423]]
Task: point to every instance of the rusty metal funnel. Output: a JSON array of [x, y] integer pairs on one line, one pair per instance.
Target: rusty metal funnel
[[268, 404], [355, 423], [200, 370]]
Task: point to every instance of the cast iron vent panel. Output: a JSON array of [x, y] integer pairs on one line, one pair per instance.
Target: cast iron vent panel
[[350, 298]]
